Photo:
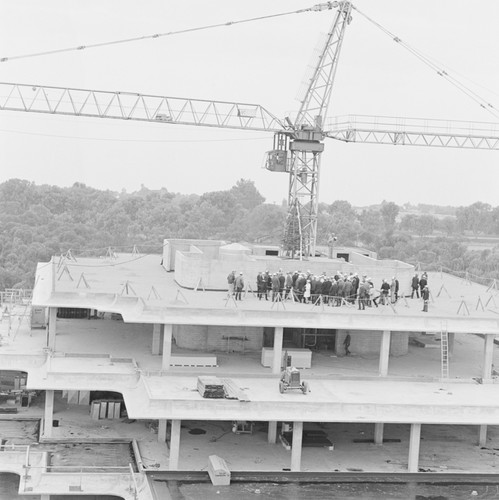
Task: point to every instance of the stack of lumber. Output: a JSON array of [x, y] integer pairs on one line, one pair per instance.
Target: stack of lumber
[[232, 391], [211, 387]]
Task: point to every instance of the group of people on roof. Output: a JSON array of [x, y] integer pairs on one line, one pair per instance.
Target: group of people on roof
[[421, 284], [335, 290]]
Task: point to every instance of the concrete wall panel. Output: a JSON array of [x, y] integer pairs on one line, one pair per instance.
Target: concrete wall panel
[[219, 338], [367, 343]]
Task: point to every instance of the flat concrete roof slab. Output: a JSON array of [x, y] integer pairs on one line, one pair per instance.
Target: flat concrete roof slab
[[139, 288]]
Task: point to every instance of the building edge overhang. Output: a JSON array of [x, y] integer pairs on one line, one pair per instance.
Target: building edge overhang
[[143, 402], [137, 310]]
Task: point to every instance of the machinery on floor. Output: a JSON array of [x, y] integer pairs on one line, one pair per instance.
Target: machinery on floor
[[291, 380]]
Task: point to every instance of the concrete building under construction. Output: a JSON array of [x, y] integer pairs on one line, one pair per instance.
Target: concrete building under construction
[[125, 341]]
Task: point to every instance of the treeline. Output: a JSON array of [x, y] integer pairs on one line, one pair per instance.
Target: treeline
[[37, 222]]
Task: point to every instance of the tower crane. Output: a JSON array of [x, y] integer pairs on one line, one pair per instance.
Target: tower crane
[[298, 144]]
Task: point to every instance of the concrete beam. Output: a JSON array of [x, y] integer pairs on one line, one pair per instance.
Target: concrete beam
[[272, 433], [156, 338], [414, 442], [488, 357], [167, 347], [384, 353], [482, 436], [52, 329], [378, 433], [174, 445], [296, 446], [49, 414], [276, 362]]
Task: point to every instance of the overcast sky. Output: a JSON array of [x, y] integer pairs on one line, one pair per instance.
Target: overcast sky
[[263, 62]]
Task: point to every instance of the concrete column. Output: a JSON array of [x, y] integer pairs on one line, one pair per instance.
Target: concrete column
[[488, 356], [156, 338], [276, 362], [162, 427], [44, 496], [174, 444], [378, 432], [414, 442], [167, 347], [296, 446], [49, 414], [451, 336], [384, 353], [51, 331], [272, 435], [482, 436]]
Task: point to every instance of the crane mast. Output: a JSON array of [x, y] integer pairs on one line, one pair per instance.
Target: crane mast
[[298, 150]]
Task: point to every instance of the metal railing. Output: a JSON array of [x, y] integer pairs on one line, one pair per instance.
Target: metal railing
[[75, 475], [413, 125], [16, 296]]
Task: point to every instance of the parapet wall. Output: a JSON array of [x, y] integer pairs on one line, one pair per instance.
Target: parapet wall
[[192, 266], [209, 248], [206, 264]]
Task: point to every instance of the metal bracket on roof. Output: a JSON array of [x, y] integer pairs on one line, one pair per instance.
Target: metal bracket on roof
[[319, 302], [85, 282], [199, 284], [154, 293], [466, 279], [68, 255], [479, 303], [249, 289], [127, 288], [230, 297], [110, 254], [62, 260], [464, 307], [65, 270], [491, 298], [278, 302], [291, 296], [179, 293], [493, 286], [442, 288], [402, 298]]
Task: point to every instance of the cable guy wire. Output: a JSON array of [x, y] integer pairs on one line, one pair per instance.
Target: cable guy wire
[[437, 67], [315, 8]]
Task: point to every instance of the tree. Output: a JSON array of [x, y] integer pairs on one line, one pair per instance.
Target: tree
[[425, 224], [266, 223], [246, 194], [339, 218], [408, 223], [372, 226], [448, 225], [389, 212], [476, 217]]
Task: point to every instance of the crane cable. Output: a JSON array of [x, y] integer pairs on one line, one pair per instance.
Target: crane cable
[[111, 139], [314, 8], [437, 67]]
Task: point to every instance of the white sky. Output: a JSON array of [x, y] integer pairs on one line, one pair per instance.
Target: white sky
[[264, 63]]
